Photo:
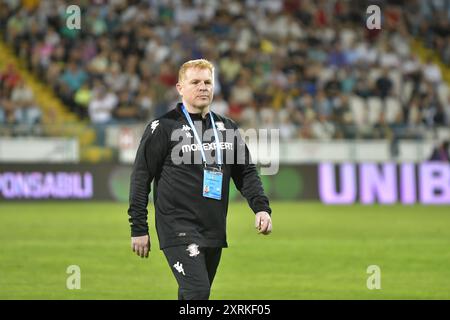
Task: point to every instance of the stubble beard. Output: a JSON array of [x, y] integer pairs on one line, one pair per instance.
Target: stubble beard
[[203, 105]]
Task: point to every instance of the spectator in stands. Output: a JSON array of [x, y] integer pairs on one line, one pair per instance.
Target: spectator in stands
[[101, 109], [441, 152], [19, 112], [431, 72], [287, 128], [115, 79], [102, 105], [322, 105], [384, 84], [74, 77], [242, 93], [82, 98], [9, 77], [22, 95], [27, 112], [10, 115], [146, 101], [126, 111]]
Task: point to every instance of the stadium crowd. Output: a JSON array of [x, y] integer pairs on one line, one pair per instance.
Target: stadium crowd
[[310, 68], [17, 105], [431, 21]]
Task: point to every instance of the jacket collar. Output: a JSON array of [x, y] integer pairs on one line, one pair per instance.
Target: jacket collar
[[194, 116]]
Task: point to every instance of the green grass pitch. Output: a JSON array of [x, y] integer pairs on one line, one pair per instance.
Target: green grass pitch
[[315, 252]]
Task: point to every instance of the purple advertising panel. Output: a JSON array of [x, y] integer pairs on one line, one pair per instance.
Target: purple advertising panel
[[435, 183], [384, 183], [337, 191], [408, 183], [330, 183], [378, 183], [46, 185], [56, 182]]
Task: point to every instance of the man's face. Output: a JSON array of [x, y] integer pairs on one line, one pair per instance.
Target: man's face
[[197, 87]]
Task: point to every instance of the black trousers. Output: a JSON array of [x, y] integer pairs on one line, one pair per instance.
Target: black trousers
[[194, 268]]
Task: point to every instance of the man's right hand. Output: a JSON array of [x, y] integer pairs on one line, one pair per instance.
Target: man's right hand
[[141, 245]]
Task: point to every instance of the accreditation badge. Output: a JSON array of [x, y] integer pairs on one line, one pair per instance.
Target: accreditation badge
[[212, 183]]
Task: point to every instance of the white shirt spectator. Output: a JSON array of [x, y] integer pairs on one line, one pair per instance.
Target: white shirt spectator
[[432, 73], [294, 29], [101, 107], [242, 94], [208, 9], [347, 37], [411, 65], [52, 38], [389, 60], [274, 6], [244, 39], [287, 128], [29, 115], [280, 27], [234, 8], [367, 54], [322, 130], [116, 80], [263, 25], [129, 14], [400, 44], [186, 15], [268, 117], [158, 50], [22, 95]]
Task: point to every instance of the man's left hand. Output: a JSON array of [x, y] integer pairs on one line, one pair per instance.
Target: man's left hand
[[263, 222]]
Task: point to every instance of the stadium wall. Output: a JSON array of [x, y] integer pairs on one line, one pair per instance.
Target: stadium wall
[[41, 149]]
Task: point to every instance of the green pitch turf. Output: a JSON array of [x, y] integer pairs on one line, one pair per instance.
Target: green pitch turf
[[315, 252]]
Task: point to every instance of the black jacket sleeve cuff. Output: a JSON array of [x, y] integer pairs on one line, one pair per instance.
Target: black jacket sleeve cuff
[[139, 233], [266, 209]]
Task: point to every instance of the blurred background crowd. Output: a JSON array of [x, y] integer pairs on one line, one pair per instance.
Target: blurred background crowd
[[310, 68]]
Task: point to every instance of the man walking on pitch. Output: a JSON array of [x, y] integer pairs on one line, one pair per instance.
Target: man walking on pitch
[[190, 156]]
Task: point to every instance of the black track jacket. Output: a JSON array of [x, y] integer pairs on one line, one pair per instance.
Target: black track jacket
[[183, 215]]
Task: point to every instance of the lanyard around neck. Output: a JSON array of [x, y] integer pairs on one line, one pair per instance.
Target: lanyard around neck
[[216, 136]]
